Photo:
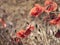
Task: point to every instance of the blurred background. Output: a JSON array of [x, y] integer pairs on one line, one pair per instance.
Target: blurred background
[[16, 15]]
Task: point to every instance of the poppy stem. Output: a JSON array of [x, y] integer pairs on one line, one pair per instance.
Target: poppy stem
[[55, 12]]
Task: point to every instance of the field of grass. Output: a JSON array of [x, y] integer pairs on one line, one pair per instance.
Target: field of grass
[[16, 15]]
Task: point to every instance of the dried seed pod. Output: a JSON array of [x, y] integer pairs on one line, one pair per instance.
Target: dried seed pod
[[7, 31], [35, 37], [39, 30], [57, 35], [15, 31], [36, 26]]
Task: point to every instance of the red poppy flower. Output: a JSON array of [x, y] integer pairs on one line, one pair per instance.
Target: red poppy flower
[[50, 6], [35, 11], [25, 33], [29, 30], [53, 22], [20, 33], [58, 22], [30, 27]]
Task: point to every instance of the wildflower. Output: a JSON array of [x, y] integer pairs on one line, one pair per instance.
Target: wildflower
[[29, 29], [25, 33], [55, 21], [50, 6], [20, 33], [35, 11]]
